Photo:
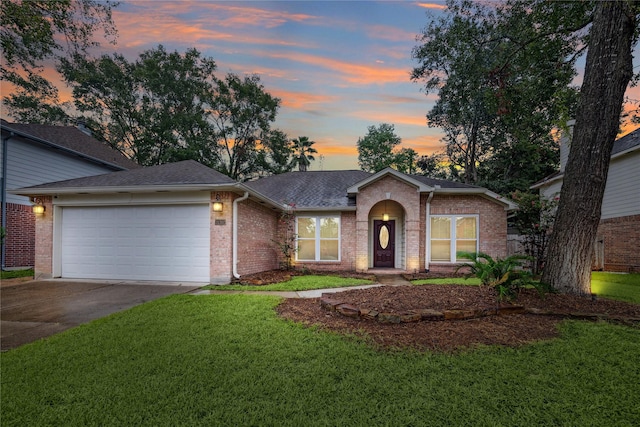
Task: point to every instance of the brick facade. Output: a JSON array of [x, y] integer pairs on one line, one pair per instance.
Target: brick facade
[[619, 238], [258, 231], [257, 235], [20, 236], [347, 248], [220, 254], [43, 268], [388, 189]]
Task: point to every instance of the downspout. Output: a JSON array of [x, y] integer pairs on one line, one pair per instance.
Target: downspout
[[3, 196], [428, 234], [235, 233]]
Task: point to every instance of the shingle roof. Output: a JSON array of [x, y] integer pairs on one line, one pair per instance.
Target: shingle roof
[[432, 182], [74, 140], [187, 172], [627, 142], [630, 140], [311, 189], [326, 189]]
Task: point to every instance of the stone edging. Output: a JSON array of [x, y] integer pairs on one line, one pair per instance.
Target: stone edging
[[329, 303]]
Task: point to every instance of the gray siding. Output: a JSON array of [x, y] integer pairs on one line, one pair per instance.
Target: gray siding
[[622, 194], [31, 164]]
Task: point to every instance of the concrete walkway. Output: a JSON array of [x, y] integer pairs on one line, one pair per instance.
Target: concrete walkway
[[382, 280]]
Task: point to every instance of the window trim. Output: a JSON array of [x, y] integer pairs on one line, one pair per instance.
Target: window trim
[[452, 244], [317, 239]]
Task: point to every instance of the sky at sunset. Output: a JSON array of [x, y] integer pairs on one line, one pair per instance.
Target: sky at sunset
[[337, 66]]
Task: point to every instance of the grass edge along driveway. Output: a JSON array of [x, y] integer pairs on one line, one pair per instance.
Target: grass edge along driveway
[[229, 360]]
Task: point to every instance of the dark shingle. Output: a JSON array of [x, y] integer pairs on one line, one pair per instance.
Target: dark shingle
[[311, 189], [432, 182], [630, 140], [73, 139], [181, 173]]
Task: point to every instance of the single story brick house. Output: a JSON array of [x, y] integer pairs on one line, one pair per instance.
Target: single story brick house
[[186, 222]]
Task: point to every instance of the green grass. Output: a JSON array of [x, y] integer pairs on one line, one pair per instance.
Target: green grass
[[297, 283], [229, 360], [12, 274], [624, 287]]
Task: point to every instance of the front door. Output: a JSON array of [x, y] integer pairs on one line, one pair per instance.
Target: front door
[[384, 244]]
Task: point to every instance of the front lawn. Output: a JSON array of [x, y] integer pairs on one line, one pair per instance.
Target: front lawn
[[297, 283], [623, 287], [230, 360]]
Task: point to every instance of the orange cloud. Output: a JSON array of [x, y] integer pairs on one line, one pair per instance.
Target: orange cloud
[[301, 100], [160, 25], [437, 6], [350, 72]]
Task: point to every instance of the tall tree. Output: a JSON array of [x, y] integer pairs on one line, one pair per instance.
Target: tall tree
[[502, 74], [154, 110], [38, 32], [304, 152], [608, 70], [276, 154], [376, 148], [406, 160], [242, 113]]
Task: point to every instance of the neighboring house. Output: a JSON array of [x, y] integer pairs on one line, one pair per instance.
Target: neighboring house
[[35, 154], [186, 222], [616, 247]]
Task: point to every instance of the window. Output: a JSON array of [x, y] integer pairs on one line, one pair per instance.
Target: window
[[318, 238], [450, 234]]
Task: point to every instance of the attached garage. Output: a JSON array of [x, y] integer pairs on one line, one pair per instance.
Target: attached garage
[[165, 243]]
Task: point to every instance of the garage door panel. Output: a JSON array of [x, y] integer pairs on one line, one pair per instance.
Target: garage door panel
[[136, 242]]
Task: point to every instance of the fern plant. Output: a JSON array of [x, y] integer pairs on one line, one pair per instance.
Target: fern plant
[[506, 276]]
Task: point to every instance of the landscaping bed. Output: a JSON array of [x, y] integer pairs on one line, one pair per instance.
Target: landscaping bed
[[507, 330]]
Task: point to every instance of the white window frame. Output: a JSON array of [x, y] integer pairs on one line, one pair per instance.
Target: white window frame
[[453, 250], [317, 238]]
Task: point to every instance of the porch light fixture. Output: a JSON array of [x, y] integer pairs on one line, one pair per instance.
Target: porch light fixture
[[38, 208], [217, 205], [385, 217]]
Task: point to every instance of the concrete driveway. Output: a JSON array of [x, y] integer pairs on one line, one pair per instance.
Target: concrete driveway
[[41, 308]]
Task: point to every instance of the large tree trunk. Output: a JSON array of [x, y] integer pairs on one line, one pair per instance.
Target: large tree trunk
[[608, 70]]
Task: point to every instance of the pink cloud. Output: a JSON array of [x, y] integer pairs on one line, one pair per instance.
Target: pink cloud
[[437, 6]]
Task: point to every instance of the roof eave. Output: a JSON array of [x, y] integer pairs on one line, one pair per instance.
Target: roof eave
[[32, 191], [62, 148], [625, 152], [355, 189], [509, 204]]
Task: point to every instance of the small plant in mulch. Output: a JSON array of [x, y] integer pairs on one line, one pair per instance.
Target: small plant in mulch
[[506, 276], [287, 240]]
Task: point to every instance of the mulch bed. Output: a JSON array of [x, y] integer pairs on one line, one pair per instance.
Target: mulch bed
[[447, 336]]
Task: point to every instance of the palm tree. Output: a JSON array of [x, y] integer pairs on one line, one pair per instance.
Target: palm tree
[[304, 152]]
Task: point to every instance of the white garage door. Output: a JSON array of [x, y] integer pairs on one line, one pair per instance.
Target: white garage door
[[168, 243]]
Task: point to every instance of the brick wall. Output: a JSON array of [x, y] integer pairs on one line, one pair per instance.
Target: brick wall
[[43, 264], [620, 237], [221, 238], [257, 232], [20, 238], [404, 195], [347, 248], [492, 227]]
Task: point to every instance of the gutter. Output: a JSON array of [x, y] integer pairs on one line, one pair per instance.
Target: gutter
[[235, 233], [428, 234]]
